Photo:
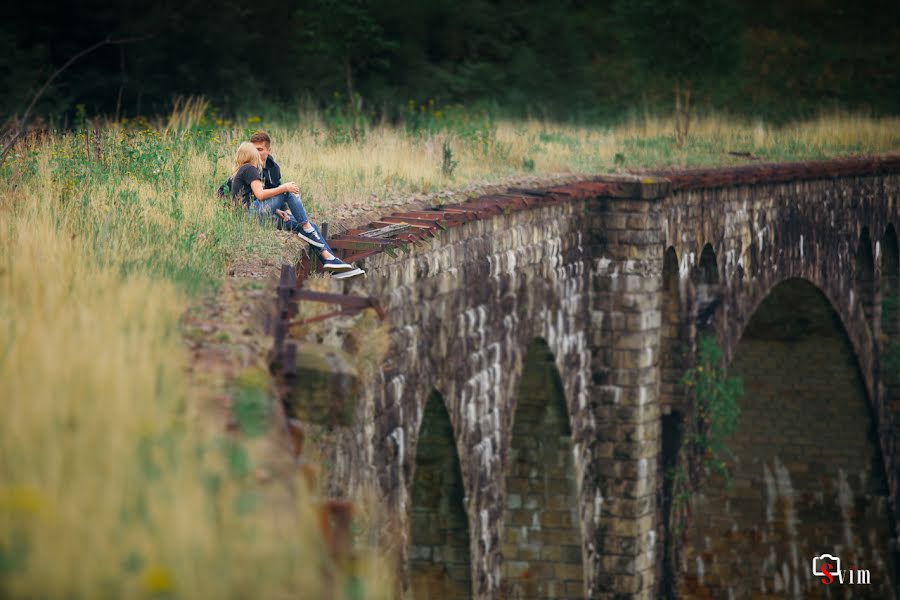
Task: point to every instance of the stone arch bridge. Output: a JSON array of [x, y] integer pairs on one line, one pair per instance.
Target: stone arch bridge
[[527, 423]]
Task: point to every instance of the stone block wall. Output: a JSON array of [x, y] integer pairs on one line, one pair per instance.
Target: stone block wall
[[626, 320]]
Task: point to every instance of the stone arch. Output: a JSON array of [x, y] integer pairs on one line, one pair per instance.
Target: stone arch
[[706, 281], [541, 536], [671, 357], [864, 276], [807, 471], [440, 565]]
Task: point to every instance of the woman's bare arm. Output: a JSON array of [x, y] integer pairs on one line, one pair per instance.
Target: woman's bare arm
[[263, 194]]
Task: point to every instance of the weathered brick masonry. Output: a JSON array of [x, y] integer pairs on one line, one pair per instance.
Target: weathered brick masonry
[[615, 280]]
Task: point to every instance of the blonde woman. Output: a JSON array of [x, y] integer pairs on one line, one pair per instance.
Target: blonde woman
[[247, 189]]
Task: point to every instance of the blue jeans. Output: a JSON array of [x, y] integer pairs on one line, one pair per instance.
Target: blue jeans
[[265, 209]]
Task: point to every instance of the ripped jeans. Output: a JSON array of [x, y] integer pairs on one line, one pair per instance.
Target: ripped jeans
[[263, 210]]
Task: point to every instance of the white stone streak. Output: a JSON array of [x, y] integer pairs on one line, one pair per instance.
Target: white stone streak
[[485, 529], [398, 436], [485, 450], [786, 491], [845, 502]]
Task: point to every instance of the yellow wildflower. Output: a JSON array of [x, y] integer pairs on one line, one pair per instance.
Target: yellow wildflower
[[22, 499], [156, 579]]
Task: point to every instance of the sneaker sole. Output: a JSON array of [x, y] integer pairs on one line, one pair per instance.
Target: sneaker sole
[[348, 274], [342, 267], [310, 240]]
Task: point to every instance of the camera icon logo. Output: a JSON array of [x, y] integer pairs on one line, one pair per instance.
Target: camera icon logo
[[826, 566]]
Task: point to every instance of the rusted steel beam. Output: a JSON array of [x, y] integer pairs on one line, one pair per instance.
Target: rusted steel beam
[[469, 214], [485, 208], [335, 517], [304, 265], [322, 317], [356, 302], [528, 191], [515, 198], [357, 244], [295, 435], [429, 223], [388, 231], [451, 218], [423, 229], [779, 172], [439, 219], [360, 255], [288, 279]]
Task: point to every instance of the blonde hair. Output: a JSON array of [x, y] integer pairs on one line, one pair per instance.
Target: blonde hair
[[246, 155]]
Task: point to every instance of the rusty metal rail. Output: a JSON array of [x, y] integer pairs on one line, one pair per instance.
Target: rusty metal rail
[[335, 514], [686, 179]]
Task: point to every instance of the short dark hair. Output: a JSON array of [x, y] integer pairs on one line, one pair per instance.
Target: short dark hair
[[261, 137]]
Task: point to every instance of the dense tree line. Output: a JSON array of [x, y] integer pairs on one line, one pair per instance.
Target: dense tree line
[[544, 57]]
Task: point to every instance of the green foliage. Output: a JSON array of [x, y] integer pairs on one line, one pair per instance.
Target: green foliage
[[447, 163], [564, 59], [718, 411], [681, 40], [236, 458], [14, 553], [345, 36], [251, 402]]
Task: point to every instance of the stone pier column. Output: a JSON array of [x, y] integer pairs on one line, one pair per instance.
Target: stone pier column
[[627, 238]]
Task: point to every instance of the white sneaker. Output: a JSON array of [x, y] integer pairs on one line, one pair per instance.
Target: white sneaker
[[312, 237], [348, 274]]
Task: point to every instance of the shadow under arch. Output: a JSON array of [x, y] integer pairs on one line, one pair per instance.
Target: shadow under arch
[[671, 391], [541, 537], [807, 472], [864, 276], [439, 557], [890, 323], [890, 283], [671, 335], [706, 281]]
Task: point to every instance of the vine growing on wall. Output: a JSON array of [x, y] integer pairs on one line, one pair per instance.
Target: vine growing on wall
[[704, 449], [890, 315], [718, 411]]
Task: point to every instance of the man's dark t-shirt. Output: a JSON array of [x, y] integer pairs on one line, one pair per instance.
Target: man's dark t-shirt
[[240, 184]]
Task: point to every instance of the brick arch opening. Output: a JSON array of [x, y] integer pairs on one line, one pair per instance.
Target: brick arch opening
[[439, 529], [706, 281], [541, 536], [807, 472], [864, 275], [671, 357], [672, 419]]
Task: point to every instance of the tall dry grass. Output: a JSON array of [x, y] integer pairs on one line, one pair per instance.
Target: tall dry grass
[[113, 480], [389, 162]]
